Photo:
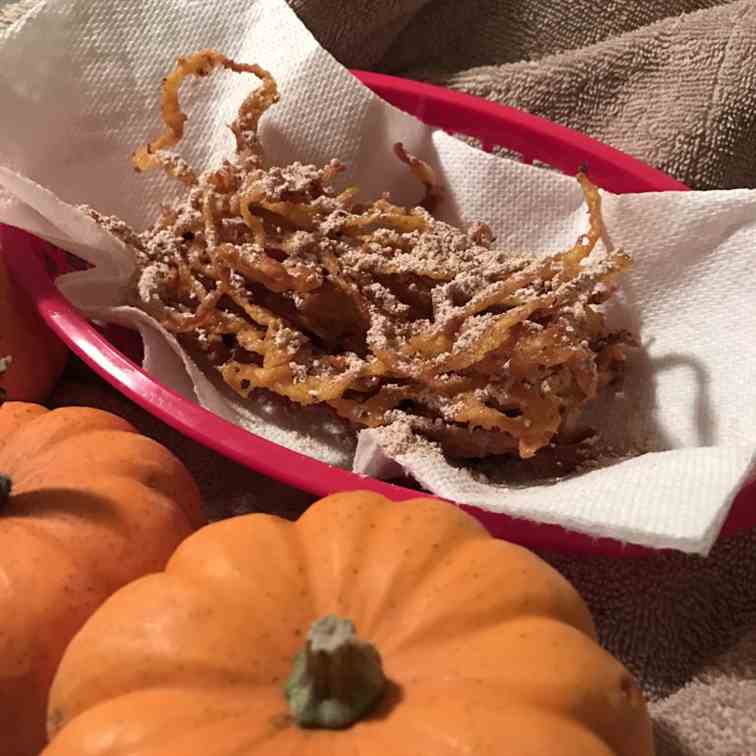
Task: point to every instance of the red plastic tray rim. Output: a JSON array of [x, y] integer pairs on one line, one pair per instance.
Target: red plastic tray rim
[[535, 139]]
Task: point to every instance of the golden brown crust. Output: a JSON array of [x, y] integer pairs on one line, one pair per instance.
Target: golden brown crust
[[282, 282]]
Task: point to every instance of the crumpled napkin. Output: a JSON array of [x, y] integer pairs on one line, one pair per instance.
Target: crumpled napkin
[[79, 93]]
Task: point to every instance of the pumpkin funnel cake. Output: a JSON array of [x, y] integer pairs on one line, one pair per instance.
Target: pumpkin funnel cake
[[281, 282]]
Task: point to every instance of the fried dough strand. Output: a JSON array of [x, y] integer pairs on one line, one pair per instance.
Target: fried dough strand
[[282, 282]]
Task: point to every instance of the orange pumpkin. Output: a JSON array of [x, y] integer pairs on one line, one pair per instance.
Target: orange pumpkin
[[86, 505], [36, 355], [471, 646]]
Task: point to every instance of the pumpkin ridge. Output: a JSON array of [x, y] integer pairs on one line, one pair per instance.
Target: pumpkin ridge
[[49, 536], [487, 695], [47, 541], [21, 522], [227, 540], [58, 427], [426, 569], [214, 704], [546, 593], [14, 416], [143, 665], [309, 566], [145, 463], [97, 440], [434, 718], [161, 486], [67, 562], [75, 508], [529, 685], [331, 519]]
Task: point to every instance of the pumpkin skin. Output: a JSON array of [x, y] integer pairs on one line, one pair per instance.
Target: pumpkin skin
[[93, 506], [488, 649], [38, 356]]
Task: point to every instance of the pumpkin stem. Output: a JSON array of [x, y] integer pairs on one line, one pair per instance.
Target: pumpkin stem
[[4, 363], [336, 678], [6, 485]]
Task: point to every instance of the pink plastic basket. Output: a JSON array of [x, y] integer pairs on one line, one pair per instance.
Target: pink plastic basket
[[114, 354]]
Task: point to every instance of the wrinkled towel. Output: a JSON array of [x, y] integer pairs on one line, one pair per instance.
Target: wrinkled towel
[[672, 82]]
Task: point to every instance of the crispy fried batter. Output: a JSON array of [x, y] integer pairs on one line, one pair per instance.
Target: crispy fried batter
[[382, 312]]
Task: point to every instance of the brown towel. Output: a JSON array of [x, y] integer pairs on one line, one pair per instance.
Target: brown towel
[[674, 83]]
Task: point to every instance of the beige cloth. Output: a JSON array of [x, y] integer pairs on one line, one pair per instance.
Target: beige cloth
[[673, 82]]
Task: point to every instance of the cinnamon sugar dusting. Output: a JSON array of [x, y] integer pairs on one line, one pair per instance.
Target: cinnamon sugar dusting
[[387, 315]]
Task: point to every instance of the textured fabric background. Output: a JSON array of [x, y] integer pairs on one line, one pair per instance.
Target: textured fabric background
[[674, 83]]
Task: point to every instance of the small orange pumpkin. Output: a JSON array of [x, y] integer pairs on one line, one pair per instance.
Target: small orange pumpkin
[[37, 356], [86, 505], [476, 646]]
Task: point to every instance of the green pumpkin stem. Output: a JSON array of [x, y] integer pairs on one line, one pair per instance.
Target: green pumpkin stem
[[337, 679]]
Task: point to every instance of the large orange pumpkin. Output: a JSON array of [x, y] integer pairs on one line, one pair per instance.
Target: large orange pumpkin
[[86, 505], [36, 355], [485, 649]]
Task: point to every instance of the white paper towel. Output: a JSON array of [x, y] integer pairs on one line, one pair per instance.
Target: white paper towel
[[79, 92]]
